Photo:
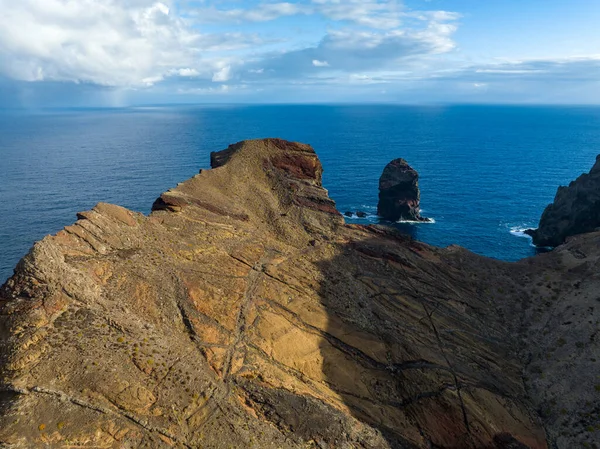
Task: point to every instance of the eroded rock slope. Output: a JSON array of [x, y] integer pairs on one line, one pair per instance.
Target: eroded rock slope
[[244, 312]]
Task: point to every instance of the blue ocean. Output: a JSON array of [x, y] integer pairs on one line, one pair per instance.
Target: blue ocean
[[487, 172]]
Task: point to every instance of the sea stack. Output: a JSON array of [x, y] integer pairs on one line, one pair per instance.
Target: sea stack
[[399, 195], [575, 210]]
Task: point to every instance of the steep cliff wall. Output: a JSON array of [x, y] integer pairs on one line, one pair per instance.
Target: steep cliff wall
[[575, 210]]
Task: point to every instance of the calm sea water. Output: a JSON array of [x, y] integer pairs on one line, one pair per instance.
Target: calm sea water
[[485, 170]]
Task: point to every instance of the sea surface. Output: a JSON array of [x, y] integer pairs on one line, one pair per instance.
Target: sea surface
[[487, 172]]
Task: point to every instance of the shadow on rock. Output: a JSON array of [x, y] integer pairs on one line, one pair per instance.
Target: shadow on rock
[[418, 351]]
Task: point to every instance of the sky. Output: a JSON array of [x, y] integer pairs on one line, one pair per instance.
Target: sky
[[134, 52]]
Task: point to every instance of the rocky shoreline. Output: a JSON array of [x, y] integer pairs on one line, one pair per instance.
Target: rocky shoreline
[[244, 312]]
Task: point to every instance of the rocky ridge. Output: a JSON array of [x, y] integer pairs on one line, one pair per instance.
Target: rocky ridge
[[575, 210], [244, 312]]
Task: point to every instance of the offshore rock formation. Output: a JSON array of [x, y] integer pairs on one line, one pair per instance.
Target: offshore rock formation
[[399, 194], [358, 213], [575, 210], [243, 312]]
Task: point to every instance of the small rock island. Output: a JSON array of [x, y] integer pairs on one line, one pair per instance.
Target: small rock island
[[399, 194]]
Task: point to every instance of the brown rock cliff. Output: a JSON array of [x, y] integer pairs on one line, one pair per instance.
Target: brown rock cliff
[[243, 312]]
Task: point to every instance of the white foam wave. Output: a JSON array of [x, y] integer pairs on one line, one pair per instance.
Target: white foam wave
[[519, 231], [374, 218], [428, 221], [367, 207], [370, 217]]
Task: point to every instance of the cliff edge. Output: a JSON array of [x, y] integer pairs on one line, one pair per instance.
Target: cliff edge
[[244, 312], [575, 210]]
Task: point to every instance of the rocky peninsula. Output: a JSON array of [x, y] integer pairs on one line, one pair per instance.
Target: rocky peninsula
[[575, 210], [243, 312]]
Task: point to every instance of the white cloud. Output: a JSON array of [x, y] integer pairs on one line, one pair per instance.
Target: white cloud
[[350, 50], [434, 16], [508, 71], [384, 14], [262, 13], [222, 75], [355, 78], [372, 36], [187, 72], [222, 89], [98, 41], [152, 80], [376, 14], [564, 69], [108, 42], [556, 81], [154, 43]]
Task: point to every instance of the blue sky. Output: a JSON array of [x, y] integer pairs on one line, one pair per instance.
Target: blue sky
[[125, 52]]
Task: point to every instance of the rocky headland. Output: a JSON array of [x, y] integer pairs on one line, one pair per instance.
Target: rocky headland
[[575, 210], [399, 194], [243, 312]]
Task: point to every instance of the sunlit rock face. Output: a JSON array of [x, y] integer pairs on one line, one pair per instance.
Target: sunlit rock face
[[244, 312]]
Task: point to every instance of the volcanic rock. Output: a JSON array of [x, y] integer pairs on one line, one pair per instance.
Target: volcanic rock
[[399, 194], [243, 312], [575, 210], [358, 213]]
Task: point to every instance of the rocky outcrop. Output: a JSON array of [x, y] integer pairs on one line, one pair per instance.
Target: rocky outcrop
[[358, 214], [399, 194], [575, 210], [243, 312]]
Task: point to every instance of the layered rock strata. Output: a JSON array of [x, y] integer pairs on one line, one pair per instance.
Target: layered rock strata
[[243, 312]]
